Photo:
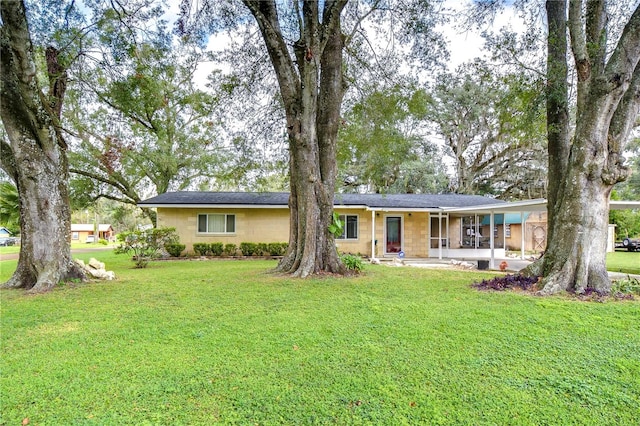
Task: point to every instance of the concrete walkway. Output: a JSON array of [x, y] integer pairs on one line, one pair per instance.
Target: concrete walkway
[[513, 265]]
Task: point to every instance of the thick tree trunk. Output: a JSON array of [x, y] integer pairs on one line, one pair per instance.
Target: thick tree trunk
[[312, 91], [36, 158], [45, 220], [584, 170], [575, 257]]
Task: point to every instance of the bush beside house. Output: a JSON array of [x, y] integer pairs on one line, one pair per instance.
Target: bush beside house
[[245, 249]]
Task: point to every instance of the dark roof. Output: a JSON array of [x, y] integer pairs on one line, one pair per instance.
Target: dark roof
[[435, 201]]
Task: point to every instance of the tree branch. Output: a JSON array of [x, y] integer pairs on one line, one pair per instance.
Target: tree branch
[[266, 16], [596, 34], [624, 59]]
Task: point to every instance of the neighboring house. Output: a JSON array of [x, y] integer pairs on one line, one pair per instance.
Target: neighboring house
[[4, 232], [80, 232]]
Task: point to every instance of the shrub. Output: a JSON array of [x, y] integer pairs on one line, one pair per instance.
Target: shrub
[[174, 249], [201, 249], [216, 249], [626, 286], [146, 244], [277, 249], [262, 249], [230, 249], [103, 241], [248, 249], [352, 262]]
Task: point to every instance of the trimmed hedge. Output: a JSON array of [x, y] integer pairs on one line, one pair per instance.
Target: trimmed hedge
[[201, 249], [247, 249], [174, 249], [277, 249], [263, 249], [230, 249]]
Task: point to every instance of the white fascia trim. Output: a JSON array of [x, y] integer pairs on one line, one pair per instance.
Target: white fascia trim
[[623, 205], [353, 207], [538, 204], [404, 209], [215, 206]]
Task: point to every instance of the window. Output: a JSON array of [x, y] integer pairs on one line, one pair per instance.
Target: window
[[216, 223], [75, 236], [350, 230], [507, 230]]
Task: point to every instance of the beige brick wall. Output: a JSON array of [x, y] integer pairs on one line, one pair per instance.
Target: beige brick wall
[[272, 225], [252, 225], [415, 233]]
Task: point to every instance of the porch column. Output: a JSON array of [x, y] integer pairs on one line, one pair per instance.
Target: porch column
[[447, 240], [373, 234], [439, 235], [477, 238], [522, 235], [504, 232], [491, 240]]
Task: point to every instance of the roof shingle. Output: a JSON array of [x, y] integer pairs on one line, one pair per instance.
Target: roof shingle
[[199, 198]]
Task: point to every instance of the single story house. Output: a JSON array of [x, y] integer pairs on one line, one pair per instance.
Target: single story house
[[376, 225], [80, 232]]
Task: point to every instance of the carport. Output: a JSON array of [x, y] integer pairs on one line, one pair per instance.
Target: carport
[[521, 207]]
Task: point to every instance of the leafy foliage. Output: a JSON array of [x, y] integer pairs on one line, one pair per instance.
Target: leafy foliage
[[353, 262], [230, 249], [277, 249], [247, 248], [383, 145], [201, 249], [506, 282], [216, 249], [494, 129], [174, 249], [9, 207], [140, 124], [628, 221], [337, 226], [626, 286], [146, 244]]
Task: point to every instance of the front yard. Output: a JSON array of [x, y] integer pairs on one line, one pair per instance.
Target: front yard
[[203, 342]]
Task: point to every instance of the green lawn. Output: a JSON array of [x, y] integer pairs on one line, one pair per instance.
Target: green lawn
[[196, 342], [624, 261], [74, 246]]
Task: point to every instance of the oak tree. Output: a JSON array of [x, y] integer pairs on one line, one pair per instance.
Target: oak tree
[[305, 45], [35, 156], [586, 147]]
